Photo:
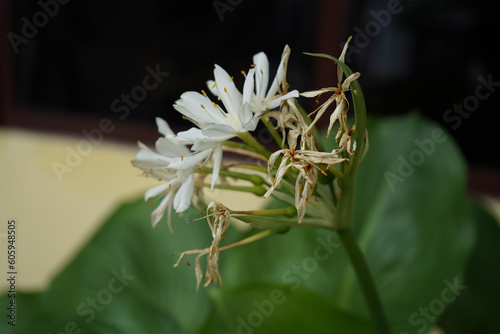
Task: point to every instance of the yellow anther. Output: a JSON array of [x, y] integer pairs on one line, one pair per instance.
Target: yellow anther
[[169, 186], [261, 72], [203, 92], [215, 105], [215, 84], [253, 65], [160, 179], [199, 168], [307, 200], [300, 187], [150, 170], [218, 98], [201, 105], [184, 117], [232, 78], [225, 90], [243, 72], [182, 158], [323, 172]]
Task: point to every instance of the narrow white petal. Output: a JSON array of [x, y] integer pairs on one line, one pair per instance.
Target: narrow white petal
[[262, 74], [229, 94], [158, 213], [280, 78], [163, 127], [156, 191], [217, 157], [276, 101], [170, 148], [182, 199]]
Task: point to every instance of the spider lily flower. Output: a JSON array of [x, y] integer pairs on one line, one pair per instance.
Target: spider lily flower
[[174, 165], [269, 99], [214, 124], [338, 95]]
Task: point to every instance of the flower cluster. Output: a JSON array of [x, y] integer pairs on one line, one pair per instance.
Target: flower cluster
[[182, 160]]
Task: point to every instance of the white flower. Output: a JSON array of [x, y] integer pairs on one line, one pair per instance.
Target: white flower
[[174, 165], [269, 99], [215, 124]]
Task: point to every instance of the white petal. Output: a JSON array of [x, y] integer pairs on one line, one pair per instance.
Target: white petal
[[158, 213], [229, 94], [211, 87], [248, 86], [217, 157], [280, 74], [276, 102], [169, 148], [163, 127], [182, 199], [219, 130], [158, 190], [262, 74], [188, 162]]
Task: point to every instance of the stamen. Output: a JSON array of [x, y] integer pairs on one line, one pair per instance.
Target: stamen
[[160, 179], [218, 98], [169, 186], [232, 78], [323, 172], [215, 105], [243, 72], [199, 168], [225, 90], [307, 200], [253, 65], [184, 117], [201, 105], [215, 84], [203, 92], [261, 72], [182, 158]]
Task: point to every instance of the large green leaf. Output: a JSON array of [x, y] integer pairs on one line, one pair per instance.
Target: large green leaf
[[416, 235], [477, 309]]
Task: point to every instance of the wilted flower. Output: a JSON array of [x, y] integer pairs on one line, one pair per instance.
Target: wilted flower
[[218, 221], [338, 95]]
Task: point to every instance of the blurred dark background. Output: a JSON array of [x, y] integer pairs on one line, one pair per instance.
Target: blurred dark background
[[65, 63]]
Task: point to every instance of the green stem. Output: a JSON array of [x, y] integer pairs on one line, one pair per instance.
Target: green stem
[[251, 141], [255, 179], [366, 281], [256, 190], [272, 130], [289, 211]]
